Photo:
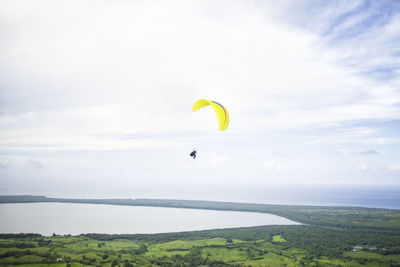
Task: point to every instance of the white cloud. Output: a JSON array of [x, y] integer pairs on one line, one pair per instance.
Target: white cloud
[[394, 166], [248, 62], [346, 135], [273, 166], [104, 77], [20, 162], [367, 152], [361, 167], [218, 159]]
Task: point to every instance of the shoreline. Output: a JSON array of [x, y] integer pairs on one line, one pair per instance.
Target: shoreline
[[327, 216]]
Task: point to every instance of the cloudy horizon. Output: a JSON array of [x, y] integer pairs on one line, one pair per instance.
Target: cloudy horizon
[[96, 97]]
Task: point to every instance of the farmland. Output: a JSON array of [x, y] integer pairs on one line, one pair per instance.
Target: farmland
[[252, 246]]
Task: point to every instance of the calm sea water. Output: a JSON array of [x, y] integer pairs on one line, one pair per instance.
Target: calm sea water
[[67, 218], [370, 197], [387, 197]]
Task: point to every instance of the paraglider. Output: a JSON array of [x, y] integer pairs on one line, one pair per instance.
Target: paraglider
[[220, 111], [193, 153]]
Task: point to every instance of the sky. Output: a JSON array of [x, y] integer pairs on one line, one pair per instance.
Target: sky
[[96, 98]]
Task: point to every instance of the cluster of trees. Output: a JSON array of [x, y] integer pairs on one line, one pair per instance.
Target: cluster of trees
[[318, 241], [20, 236], [193, 258]]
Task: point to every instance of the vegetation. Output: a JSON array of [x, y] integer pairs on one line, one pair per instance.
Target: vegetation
[[250, 246], [333, 236], [278, 238]]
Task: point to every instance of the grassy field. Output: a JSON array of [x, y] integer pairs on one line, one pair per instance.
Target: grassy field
[[278, 238], [270, 249]]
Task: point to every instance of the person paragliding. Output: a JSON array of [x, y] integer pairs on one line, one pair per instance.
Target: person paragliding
[[220, 111], [193, 154]]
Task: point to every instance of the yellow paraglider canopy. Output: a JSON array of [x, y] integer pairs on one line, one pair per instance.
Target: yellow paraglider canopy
[[220, 110]]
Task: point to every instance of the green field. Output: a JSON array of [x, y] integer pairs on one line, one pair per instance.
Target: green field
[[252, 246], [278, 238]]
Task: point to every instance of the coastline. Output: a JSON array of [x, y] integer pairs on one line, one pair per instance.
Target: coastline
[[327, 216]]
